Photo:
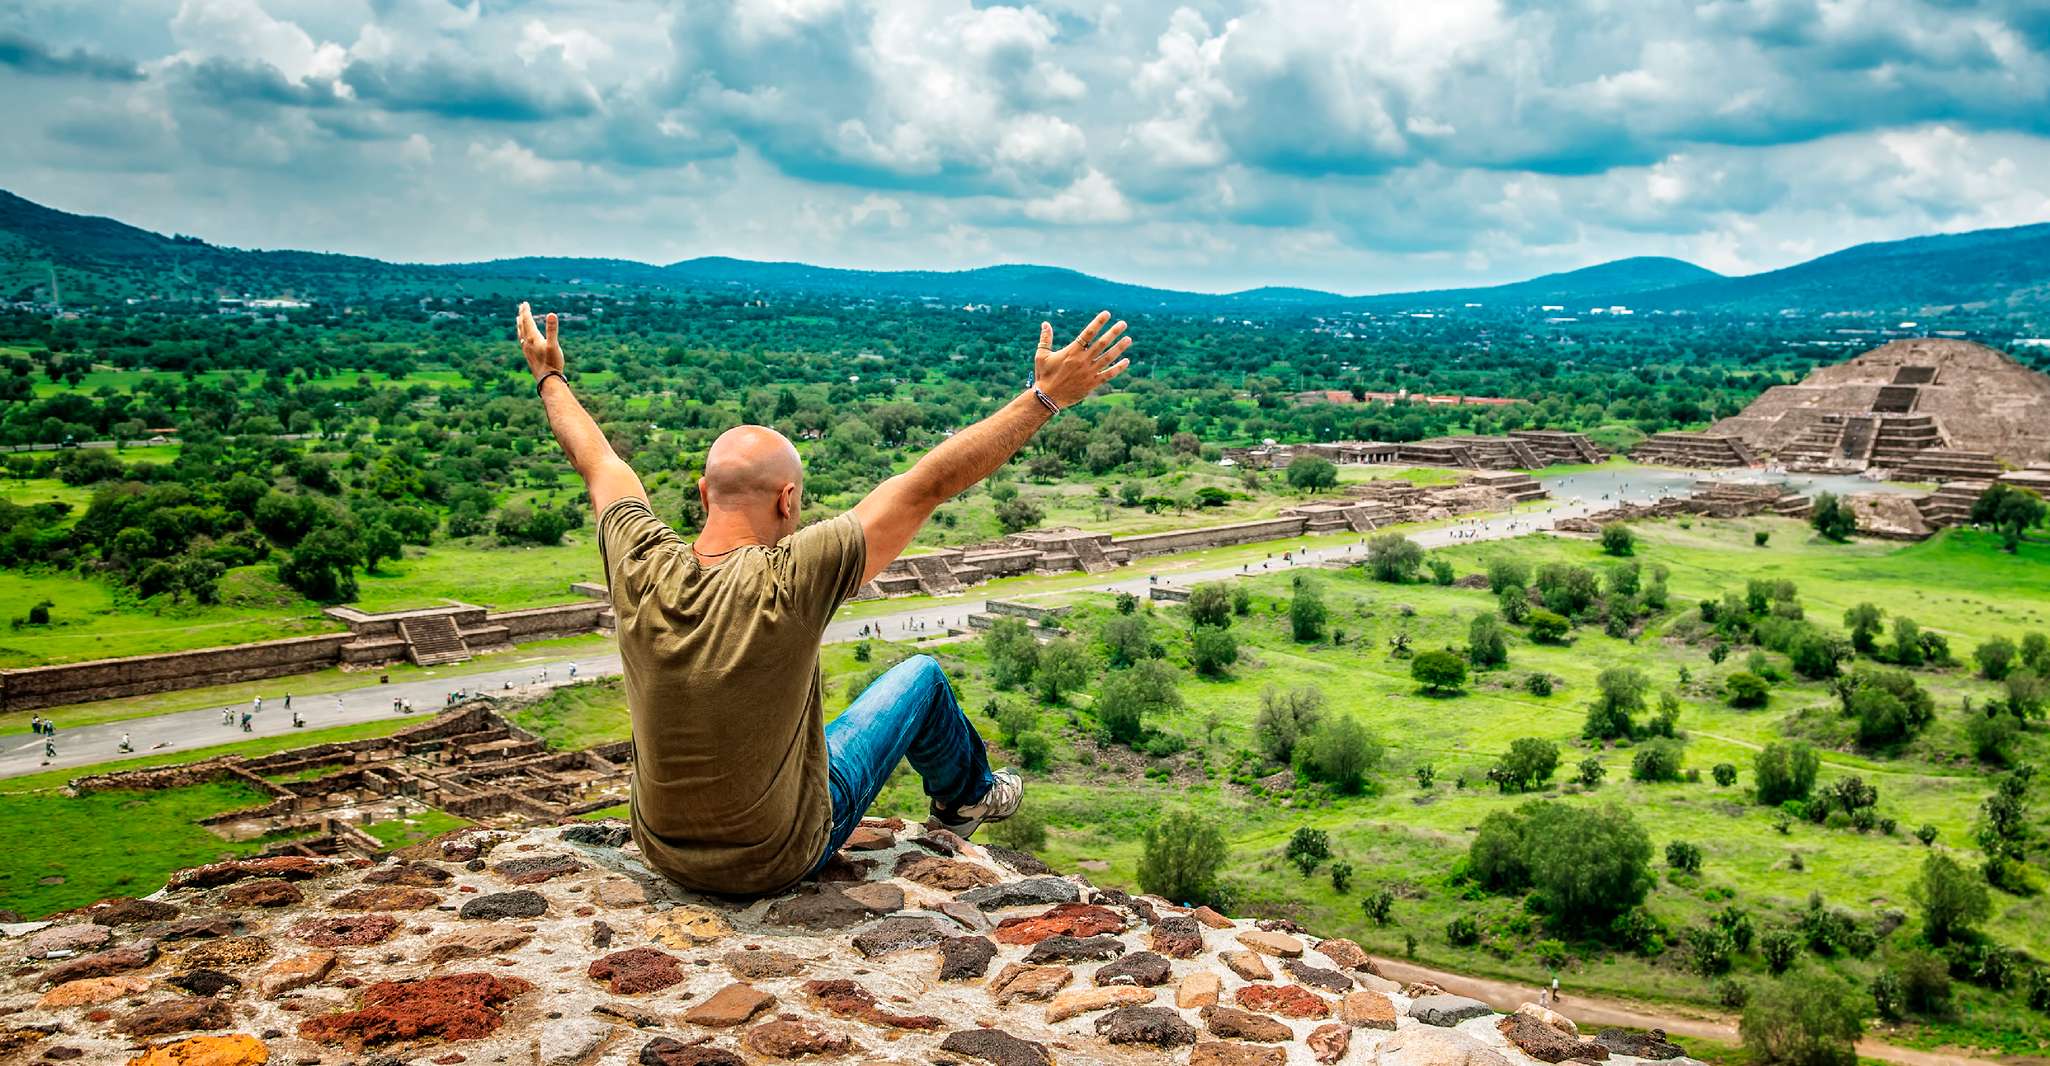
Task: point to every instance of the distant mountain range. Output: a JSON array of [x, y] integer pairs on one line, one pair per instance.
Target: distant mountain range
[[92, 258]]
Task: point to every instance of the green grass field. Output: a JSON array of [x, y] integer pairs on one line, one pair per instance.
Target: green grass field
[[92, 619]]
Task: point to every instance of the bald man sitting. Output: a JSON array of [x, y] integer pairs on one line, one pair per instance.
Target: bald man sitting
[[739, 787]]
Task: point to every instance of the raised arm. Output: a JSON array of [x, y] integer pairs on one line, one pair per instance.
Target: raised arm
[[604, 472], [892, 514]]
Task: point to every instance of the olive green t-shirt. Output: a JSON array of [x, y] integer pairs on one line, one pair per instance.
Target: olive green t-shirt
[[722, 678]]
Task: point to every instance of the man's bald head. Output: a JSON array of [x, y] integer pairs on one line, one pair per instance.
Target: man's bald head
[[750, 466]]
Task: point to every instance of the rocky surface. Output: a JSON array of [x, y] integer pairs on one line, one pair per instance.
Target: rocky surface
[[556, 947]]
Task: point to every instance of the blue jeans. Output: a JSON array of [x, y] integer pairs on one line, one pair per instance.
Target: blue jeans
[[909, 713]]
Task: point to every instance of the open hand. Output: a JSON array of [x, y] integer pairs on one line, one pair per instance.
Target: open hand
[[1069, 375], [543, 353]]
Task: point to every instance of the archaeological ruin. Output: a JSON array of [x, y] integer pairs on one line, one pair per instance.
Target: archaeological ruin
[[468, 762], [1523, 449]]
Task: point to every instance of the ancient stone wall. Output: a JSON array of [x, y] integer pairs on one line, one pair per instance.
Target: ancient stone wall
[[1210, 536], [136, 675]]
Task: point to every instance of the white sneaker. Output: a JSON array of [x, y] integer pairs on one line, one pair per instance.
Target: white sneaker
[[1006, 793]]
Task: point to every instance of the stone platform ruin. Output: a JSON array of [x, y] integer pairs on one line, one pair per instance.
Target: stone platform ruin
[[1523, 449], [468, 762], [557, 946], [1926, 409]]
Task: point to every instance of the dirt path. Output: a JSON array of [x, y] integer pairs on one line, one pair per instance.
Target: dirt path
[[1595, 1012]]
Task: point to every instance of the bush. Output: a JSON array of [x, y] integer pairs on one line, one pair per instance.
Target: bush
[[1023, 831], [1495, 858], [1617, 539], [39, 613], [1725, 775], [1538, 684], [1013, 720], [1528, 764], [1683, 857], [1995, 658], [1620, 695], [1034, 751], [1393, 557], [1813, 1018], [1759, 537], [1339, 753], [1592, 771], [1341, 876], [1180, 856], [1953, 901], [1063, 667], [1308, 848], [1212, 650], [1746, 689], [1547, 627], [1307, 613], [1589, 864], [1507, 573], [1285, 718], [1926, 833], [1924, 981], [1780, 948], [1126, 639], [1438, 671], [1128, 697], [1462, 932], [1378, 905], [1832, 518], [1992, 734], [1783, 771], [1013, 653], [1657, 760], [1210, 604], [1441, 571], [1487, 641]]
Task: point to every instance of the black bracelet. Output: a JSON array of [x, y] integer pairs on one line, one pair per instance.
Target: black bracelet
[[543, 380], [1045, 400]]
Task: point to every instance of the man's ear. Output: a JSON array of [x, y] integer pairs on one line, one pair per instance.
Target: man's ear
[[786, 501], [704, 498]]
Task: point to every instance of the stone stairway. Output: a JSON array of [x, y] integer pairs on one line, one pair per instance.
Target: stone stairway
[[432, 640], [935, 577], [1089, 555], [1856, 444]]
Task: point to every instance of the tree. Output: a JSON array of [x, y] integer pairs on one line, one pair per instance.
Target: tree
[[1034, 751], [1438, 672], [1746, 689], [1506, 573], [1953, 901], [1528, 764], [1210, 604], [1285, 718], [1618, 540], [1307, 613], [2011, 511], [1590, 864], [1307, 849], [323, 566], [1864, 622], [1128, 697], [1683, 857], [1395, 558], [1496, 858], [1180, 856], [1311, 473], [1833, 518], [1013, 653], [1063, 668], [1487, 641], [1212, 650], [1816, 654], [1126, 639], [1814, 1018], [1591, 772], [1018, 513], [1568, 590], [1378, 905], [1339, 752], [1547, 627], [1657, 760], [1341, 876], [1619, 695], [1783, 771], [2025, 692], [1995, 657], [1725, 774]]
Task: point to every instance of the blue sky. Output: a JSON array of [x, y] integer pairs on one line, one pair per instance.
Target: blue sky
[[1361, 146]]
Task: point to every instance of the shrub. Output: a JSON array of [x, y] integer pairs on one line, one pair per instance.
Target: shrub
[[1924, 982], [1813, 1018], [1992, 734], [1308, 848], [1592, 771], [1285, 718], [1746, 689], [1212, 650], [1589, 864], [1780, 948], [1378, 905], [1441, 571], [1709, 950], [1063, 667], [1393, 557], [1438, 671], [1487, 641], [1657, 760], [1528, 764], [1307, 613], [39, 613], [1126, 639], [1617, 539], [1995, 658], [1034, 751], [1426, 775], [1952, 900], [1128, 697], [1547, 627], [1462, 932], [1180, 856], [1210, 604], [1495, 858], [1507, 573], [1241, 600], [1023, 831], [1832, 518], [1731, 993], [1566, 589], [1683, 857], [1339, 752], [1538, 684], [1783, 771], [1013, 653], [1725, 774], [1620, 694], [1341, 876], [1926, 833], [1013, 719], [1816, 655], [1759, 537], [1864, 622]]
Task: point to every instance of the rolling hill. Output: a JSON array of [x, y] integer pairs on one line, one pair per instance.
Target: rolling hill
[[97, 259]]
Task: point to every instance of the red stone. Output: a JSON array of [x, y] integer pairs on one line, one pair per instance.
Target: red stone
[[1065, 919], [1329, 1041], [1289, 1001], [850, 1000], [791, 1037], [288, 867], [385, 898], [262, 892], [950, 875], [103, 963], [463, 1006], [637, 970], [345, 932], [871, 838]]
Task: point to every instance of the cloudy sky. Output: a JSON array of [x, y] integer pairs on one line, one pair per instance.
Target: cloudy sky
[[1361, 146]]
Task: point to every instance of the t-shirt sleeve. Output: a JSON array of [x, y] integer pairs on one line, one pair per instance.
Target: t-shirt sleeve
[[628, 535], [826, 560]]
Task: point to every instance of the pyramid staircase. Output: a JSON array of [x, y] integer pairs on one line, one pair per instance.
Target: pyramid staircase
[[1951, 505], [1949, 464], [1817, 445], [1089, 556], [432, 640], [935, 577]]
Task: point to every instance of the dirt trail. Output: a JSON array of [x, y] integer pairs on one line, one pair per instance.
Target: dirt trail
[[1595, 1012]]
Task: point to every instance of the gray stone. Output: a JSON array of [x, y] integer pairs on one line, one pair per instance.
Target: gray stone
[[1142, 968], [1158, 1026], [525, 903], [1650, 1044], [1030, 892], [997, 1046], [1075, 949], [899, 934], [965, 958], [1422, 1045], [1317, 977], [1446, 1009]]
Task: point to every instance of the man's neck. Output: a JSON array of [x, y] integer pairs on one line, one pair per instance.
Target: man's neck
[[725, 531]]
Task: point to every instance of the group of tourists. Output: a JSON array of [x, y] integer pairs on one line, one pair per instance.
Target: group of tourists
[[47, 729]]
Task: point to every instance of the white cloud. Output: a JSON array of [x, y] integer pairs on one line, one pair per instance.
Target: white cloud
[[1092, 199]]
